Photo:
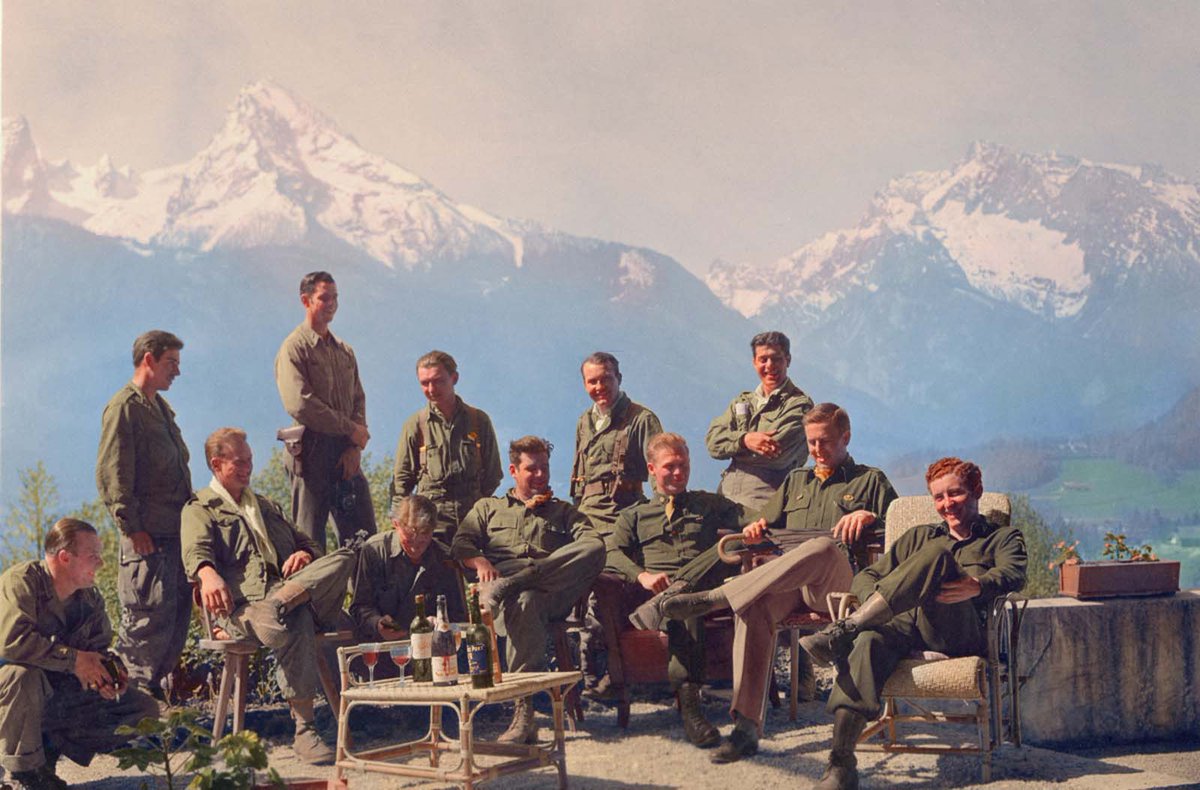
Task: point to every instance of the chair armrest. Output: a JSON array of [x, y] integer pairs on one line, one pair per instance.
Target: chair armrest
[[841, 604]]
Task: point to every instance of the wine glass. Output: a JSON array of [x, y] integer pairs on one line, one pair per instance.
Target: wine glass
[[370, 654], [458, 630], [400, 653]]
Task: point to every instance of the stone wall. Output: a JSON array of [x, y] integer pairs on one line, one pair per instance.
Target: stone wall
[[1124, 669]]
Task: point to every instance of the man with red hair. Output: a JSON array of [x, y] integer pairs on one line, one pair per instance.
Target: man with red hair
[[930, 591]]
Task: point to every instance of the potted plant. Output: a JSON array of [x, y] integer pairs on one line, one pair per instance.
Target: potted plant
[[1127, 571]]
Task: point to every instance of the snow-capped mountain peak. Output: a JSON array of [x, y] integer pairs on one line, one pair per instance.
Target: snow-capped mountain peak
[[277, 172], [1035, 230]]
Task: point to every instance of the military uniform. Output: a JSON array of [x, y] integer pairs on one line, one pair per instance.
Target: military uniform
[[751, 478], [142, 476], [646, 539], [387, 583], [452, 462], [319, 385], [610, 464], [40, 696], [552, 543], [909, 577], [217, 533], [808, 507]]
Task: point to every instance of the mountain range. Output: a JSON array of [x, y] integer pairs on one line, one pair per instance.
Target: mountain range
[[1029, 294], [1011, 294]]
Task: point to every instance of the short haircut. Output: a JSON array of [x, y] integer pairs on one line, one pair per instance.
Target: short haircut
[[529, 445], [969, 473], [416, 512], [772, 338], [156, 342], [308, 283], [603, 358], [825, 413], [63, 535], [665, 441], [440, 359], [219, 441]]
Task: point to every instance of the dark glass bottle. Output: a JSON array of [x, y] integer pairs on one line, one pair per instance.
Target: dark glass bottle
[[479, 646], [421, 635], [445, 652]]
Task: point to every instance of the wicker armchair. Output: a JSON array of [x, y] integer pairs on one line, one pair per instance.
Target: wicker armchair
[[991, 683]]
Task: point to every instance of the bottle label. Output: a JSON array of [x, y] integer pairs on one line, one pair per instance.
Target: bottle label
[[477, 660], [445, 669], [422, 645]]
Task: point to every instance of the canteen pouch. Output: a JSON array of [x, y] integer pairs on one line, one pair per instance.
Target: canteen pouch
[[292, 439]]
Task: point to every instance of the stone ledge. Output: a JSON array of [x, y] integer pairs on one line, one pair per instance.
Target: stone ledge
[[1115, 670]]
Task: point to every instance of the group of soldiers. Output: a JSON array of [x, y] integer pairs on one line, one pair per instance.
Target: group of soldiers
[[264, 573]]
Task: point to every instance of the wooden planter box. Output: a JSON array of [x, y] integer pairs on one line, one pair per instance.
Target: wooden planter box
[[1111, 579]]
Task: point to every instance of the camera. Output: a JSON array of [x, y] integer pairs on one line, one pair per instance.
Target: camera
[[345, 500]]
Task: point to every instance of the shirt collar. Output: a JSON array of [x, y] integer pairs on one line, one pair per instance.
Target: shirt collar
[[311, 337], [980, 527], [598, 413], [227, 498]]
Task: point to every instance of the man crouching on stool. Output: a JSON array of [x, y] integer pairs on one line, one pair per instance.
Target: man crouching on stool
[[263, 579]]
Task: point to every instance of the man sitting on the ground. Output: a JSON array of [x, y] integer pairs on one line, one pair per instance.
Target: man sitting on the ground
[[930, 591], [836, 497], [56, 695], [656, 543], [257, 572], [396, 566], [534, 555]]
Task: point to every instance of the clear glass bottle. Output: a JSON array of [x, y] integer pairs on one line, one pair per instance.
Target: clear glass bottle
[[445, 654]]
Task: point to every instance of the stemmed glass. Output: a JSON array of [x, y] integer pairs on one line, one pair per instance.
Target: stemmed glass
[[370, 657], [399, 654], [458, 630]]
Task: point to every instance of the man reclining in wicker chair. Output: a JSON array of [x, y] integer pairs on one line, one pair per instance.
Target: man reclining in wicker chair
[[828, 510], [930, 591]]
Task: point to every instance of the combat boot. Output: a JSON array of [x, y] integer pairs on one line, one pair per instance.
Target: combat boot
[[493, 592], [842, 772], [832, 644], [309, 747], [523, 727], [287, 597], [689, 605], [698, 729], [41, 778], [649, 616], [806, 678]]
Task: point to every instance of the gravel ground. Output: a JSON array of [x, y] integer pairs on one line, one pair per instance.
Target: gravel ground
[[654, 754]]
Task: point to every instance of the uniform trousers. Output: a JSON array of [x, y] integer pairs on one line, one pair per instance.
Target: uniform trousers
[[920, 623], [156, 609], [558, 582], [764, 596], [314, 489], [39, 707], [751, 487], [293, 641]]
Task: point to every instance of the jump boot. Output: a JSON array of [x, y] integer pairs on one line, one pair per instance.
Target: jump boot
[[286, 598], [832, 643], [698, 729], [523, 728], [842, 772]]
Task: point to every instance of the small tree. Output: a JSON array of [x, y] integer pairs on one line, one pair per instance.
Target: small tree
[[379, 477], [271, 480], [32, 517], [1041, 539], [96, 514]]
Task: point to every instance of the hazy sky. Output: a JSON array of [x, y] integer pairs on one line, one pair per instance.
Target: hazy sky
[[738, 130]]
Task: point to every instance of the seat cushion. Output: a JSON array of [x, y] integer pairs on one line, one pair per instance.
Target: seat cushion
[[952, 678]]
